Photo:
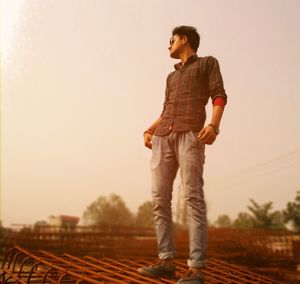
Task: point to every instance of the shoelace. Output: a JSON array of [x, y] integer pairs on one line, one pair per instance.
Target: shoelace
[[158, 263]]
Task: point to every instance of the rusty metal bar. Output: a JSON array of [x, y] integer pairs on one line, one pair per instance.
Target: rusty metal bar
[[120, 263], [106, 270], [58, 268], [143, 262], [138, 278], [21, 266], [83, 269], [242, 271], [11, 275]]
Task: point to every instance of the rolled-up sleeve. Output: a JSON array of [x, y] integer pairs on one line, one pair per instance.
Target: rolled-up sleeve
[[215, 80], [167, 92]]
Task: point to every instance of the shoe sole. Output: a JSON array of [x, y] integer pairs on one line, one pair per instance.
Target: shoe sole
[[145, 273]]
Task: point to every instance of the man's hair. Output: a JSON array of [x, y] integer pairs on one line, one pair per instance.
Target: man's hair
[[191, 34]]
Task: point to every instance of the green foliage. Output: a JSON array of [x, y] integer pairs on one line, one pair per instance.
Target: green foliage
[[223, 221], [263, 218], [243, 221], [292, 213], [110, 211], [260, 217], [144, 217]]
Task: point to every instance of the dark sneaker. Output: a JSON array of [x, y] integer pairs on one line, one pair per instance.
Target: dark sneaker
[[191, 277], [163, 268]]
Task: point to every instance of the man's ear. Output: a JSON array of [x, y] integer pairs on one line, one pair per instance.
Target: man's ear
[[184, 39]]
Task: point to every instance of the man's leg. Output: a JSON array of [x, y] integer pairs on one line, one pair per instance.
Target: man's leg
[[191, 160], [164, 168]]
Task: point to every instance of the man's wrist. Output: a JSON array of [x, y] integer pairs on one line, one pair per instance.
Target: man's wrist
[[149, 132], [215, 127]]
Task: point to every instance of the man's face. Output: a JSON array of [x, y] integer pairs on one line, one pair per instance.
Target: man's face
[[176, 45]]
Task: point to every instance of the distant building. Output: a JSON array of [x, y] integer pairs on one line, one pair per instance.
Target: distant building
[[63, 221]]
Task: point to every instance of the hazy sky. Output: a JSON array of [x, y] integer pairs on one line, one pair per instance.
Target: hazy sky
[[82, 80]]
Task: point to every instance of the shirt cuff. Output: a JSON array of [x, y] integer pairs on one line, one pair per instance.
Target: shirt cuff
[[219, 101]]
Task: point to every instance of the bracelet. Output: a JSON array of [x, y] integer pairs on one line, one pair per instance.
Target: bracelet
[[216, 129], [148, 131]]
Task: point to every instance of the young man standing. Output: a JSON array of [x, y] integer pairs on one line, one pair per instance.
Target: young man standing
[[177, 139]]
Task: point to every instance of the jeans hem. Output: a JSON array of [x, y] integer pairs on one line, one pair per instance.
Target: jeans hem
[[166, 255], [196, 263]]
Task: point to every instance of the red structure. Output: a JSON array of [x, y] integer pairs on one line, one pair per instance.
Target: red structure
[[23, 266]]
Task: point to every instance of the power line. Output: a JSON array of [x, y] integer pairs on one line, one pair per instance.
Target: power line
[[269, 167]]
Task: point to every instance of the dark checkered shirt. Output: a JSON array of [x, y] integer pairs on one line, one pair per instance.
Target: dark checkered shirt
[[187, 92]]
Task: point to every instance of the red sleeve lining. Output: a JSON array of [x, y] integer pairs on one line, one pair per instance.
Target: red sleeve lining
[[219, 101]]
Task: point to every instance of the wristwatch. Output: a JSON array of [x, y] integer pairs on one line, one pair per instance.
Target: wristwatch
[[216, 129]]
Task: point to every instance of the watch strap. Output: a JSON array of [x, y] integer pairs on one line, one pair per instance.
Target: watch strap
[[216, 129]]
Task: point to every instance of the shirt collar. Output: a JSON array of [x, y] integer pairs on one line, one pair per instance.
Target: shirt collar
[[191, 59]]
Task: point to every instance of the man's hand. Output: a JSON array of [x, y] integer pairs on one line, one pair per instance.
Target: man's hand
[[207, 135], [148, 140]]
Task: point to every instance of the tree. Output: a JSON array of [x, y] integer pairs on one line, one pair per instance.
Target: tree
[[292, 213], [111, 211], [223, 221], [243, 221], [144, 217], [263, 218]]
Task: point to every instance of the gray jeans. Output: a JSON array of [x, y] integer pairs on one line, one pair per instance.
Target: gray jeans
[[180, 150]]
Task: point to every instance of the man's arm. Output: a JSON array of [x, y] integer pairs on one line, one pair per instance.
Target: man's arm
[[209, 133], [148, 134]]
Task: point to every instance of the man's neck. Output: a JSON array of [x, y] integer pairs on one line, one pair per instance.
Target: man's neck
[[186, 55]]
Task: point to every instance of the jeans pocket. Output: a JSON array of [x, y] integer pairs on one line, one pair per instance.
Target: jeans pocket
[[155, 159], [153, 139], [199, 143], [195, 136]]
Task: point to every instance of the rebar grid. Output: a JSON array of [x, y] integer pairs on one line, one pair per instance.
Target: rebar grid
[[23, 266], [250, 247]]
